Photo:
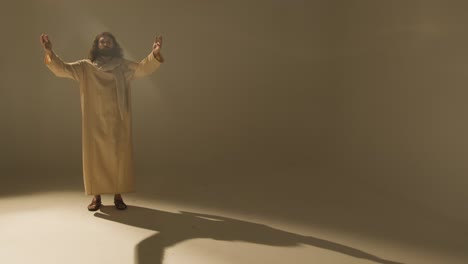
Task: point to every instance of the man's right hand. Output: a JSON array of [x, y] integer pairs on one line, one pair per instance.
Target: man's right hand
[[46, 44]]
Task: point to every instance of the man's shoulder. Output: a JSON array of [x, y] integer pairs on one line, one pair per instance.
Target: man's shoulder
[[130, 64], [85, 61]]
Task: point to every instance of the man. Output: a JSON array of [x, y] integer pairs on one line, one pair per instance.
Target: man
[[106, 112]]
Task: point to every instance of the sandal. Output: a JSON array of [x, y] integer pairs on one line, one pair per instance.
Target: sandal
[[119, 204], [94, 205]]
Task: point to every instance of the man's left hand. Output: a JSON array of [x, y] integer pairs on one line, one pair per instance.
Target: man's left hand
[[157, 45]]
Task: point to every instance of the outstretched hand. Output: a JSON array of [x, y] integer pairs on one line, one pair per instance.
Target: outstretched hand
[[45, 42], [157, 45]]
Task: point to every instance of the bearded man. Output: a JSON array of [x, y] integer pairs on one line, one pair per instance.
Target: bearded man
[[106, 112]]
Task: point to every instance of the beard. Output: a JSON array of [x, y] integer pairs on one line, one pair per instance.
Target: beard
[[108, 52]]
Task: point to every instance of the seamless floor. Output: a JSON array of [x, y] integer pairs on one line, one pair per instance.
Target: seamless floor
[[55, 227]]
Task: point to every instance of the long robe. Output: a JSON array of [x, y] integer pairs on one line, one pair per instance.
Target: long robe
[[108, 166]]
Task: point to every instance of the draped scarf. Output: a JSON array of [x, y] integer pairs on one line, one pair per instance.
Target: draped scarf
[[117, 66]]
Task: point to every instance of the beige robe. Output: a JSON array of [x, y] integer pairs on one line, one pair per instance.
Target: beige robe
[[106, 119]]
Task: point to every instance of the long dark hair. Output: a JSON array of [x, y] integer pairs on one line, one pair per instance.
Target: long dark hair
[[94, 51]]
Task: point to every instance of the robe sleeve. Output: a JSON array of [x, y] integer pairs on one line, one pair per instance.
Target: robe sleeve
[[72, 70], [145, 67]]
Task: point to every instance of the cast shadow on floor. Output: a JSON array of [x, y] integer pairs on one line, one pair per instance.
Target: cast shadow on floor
[[175, 228]]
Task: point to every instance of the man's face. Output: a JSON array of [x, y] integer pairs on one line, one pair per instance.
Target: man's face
[[105, 42], [106, 46]]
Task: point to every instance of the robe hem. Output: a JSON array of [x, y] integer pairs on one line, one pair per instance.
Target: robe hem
[[109, 192]]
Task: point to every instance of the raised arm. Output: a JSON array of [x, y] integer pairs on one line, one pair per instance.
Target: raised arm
[[152, 62], [56, 65]]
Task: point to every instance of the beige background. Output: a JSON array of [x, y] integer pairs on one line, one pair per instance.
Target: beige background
[[307, 111]]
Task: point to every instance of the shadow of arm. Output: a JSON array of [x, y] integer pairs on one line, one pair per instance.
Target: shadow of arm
[[325, 244]]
